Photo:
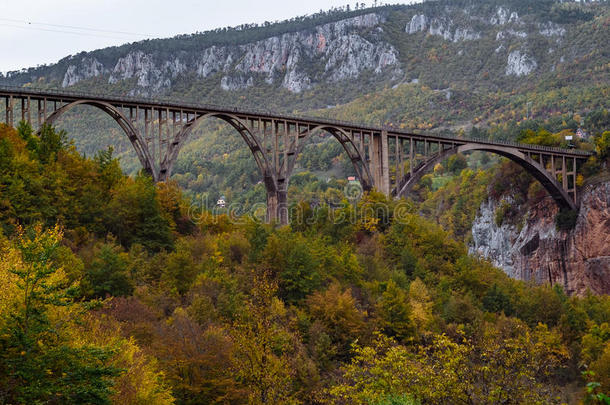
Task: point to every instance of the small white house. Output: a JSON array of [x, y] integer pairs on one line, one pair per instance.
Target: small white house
[[221, 202]]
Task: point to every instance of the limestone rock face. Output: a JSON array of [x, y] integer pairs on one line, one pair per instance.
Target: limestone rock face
[[493, 242], [504, 16], [447, 28], [520, 64], [442, 27], [345, 51], [337, 50], [418, 23], [507, 34], [354, 54], [579, 260], [150, 76], [214, 59], [85, 69], [552, 30], [135, 64], [235, 83]]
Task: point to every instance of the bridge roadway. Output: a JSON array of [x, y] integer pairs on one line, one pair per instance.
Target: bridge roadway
[[385, 158]]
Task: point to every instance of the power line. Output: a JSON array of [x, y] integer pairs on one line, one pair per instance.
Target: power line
[[62, 32], [29, 24]]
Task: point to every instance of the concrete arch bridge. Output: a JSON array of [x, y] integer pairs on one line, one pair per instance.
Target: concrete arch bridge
[[390, 160]]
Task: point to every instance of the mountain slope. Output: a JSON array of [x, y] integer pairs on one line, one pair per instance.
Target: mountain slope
[[483, 45]]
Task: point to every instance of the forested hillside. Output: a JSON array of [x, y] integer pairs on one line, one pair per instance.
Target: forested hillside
[[117, 291]]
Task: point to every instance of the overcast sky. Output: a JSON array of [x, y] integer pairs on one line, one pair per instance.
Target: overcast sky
[[34, 32]]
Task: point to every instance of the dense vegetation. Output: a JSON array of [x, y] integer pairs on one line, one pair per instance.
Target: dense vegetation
[[114, 292]]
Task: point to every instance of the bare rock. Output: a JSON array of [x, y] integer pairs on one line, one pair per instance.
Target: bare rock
[[578, 260], [85, 69], [520, 64], [418, 23]]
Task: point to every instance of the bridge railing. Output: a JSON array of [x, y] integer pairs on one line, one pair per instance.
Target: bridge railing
[[177, 104]]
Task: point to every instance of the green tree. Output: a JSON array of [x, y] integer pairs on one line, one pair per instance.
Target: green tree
[[262, 358], [50, 143], [26, 133], [108, 274], [38, 363], [134, 215], [179, 270], [289, 256], [109, 168], [496, 301], [301, 275], [395, 312], [457, 163], [602, 144]]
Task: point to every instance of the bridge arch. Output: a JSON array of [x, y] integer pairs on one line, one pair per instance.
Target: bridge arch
[[276, 200], [257, 150], [358, 161], [548, 181], [132, 133], [275, 178], [372, 159], [253, 143]]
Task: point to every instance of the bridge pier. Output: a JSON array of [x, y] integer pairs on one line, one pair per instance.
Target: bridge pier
[[277, 207]]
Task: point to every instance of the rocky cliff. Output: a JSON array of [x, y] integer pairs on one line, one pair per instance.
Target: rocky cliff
[[578, 260], [296, 60]]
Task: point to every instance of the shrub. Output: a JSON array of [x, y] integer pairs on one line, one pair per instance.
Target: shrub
[[502, 212], [457, 163], [566, 220], [602, 144]]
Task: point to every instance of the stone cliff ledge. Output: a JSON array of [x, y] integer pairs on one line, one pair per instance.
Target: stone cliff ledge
[[578, 259]]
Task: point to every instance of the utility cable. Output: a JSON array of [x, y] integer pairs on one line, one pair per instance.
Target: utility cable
[[32, 25]]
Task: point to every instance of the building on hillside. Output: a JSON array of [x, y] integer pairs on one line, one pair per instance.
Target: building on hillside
[[221, 202]]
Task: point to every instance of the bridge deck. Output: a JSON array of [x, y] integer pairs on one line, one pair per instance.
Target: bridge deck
[[174, 105]]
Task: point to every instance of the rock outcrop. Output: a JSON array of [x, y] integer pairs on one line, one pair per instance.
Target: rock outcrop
[[459, 25], [418, 23], [520, 63], [552, 30], [578, 260], [340, 48], [310, 53], [86, 69], [441, 27], [504, 16], [449, 30]]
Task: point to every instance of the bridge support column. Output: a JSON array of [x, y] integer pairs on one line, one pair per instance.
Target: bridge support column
[[277, 207], [385, 164], [380, 162]]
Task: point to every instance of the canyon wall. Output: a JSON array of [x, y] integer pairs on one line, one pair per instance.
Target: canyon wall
[[533, 249]]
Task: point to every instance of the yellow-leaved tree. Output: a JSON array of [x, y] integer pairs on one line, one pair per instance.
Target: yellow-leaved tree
[[507, 363], [421, 304], [53, 349]]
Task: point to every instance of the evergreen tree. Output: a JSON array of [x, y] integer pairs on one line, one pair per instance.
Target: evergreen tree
[[38, 364]]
